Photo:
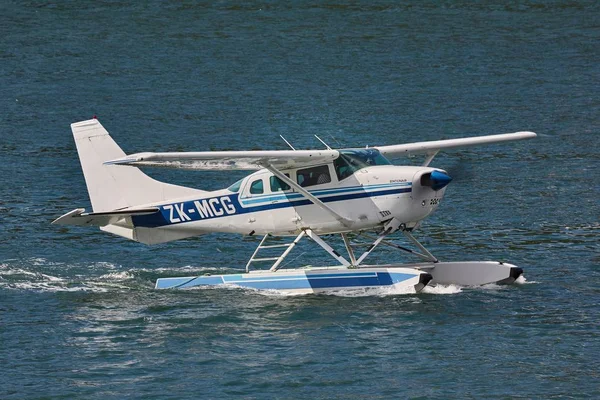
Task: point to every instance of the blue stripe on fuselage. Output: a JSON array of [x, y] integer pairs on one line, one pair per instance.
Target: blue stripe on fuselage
[[319, 193], [228, 205]]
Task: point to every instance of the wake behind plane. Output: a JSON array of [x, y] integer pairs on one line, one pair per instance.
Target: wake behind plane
[[292, 193]]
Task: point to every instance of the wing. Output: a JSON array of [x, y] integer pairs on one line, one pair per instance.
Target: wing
[[433, 147], [285, 159], [223, 160]]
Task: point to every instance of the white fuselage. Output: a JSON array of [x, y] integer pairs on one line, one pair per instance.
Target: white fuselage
[[261, 204], [299, 192]]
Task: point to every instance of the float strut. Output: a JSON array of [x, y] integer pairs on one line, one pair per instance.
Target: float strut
[[371, 248], [410, 237], [327, 248], [349, 249]]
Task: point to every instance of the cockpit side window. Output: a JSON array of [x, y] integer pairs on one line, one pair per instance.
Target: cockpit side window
[[343, 168], [277, 185], [352, 160], [257, 187]]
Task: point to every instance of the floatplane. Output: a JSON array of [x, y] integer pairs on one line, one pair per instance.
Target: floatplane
[[292, 193]]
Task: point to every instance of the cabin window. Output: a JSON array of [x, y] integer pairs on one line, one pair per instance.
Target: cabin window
[[351, 161], [236, 186], [313, 176], [277, 185], [257, 187], [343, 168]]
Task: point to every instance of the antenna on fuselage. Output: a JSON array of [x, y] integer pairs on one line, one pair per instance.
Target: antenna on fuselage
[[326, 145], [288, 143], [337, 141]]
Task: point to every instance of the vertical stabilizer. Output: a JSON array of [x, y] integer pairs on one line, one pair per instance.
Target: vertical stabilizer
[[113, 187]]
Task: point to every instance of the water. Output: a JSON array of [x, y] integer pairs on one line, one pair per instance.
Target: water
[[78, 315]]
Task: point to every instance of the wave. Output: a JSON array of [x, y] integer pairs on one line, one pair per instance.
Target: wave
[[42, 275], [521, 280], [442, 289], [39, 274]]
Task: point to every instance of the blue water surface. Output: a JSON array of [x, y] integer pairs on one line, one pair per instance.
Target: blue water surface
[[79, 317]]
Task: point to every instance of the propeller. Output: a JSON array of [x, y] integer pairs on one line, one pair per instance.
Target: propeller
[[461, 170]]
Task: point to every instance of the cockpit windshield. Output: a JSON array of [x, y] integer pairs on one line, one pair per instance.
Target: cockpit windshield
[[352, 160], [236, 186]]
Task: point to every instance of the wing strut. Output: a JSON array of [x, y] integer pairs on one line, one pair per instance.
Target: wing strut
[[430, 157], [346, 222]]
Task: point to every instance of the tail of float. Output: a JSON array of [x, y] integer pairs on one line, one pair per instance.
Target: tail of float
[[117, 193]]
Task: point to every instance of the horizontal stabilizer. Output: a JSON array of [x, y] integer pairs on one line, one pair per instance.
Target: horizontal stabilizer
[[81, 218], [437, 145]]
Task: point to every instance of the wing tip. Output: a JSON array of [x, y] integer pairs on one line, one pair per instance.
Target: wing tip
[[525, 134]]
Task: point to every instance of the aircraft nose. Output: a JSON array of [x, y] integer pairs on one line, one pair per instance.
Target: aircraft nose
[[436, 180], [439, 180]]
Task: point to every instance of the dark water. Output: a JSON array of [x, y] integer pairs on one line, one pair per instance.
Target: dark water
[[78, 315]]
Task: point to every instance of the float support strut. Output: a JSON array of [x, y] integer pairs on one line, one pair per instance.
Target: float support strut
[[410, 237], [327, 248], [349, 249]]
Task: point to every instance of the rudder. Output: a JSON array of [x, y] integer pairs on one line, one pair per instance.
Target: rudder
[[113, 187]]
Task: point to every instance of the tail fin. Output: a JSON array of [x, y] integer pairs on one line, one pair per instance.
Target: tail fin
[[115, 187]]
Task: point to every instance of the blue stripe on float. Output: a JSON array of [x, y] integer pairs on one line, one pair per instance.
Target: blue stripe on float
[[399, 277], [317, 283], [299, 281], [184, 282], [310, 274], [269, 282], [369, 279], [258, 278], [276, 285]]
